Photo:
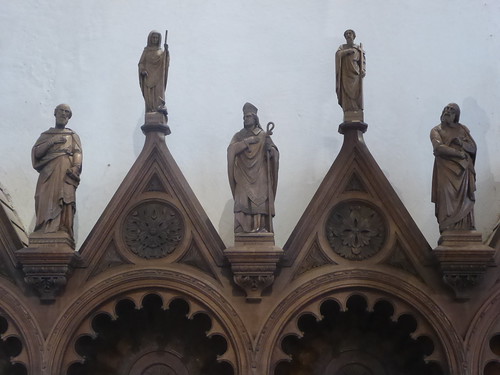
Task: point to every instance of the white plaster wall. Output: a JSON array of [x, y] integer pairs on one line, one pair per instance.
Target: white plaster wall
[[278, 55]]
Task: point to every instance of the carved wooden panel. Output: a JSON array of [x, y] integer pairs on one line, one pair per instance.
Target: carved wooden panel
[[153, 229], [355, 230]]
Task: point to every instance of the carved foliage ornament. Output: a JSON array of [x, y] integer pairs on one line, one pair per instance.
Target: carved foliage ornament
[[355, 230], [153, 229]]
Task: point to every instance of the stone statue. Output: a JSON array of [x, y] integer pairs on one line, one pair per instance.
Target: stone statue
[[350, 69], [153, 73], [454, 178], [57, 156], [253, 174]]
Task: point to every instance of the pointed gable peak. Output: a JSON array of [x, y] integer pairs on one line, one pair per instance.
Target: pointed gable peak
[[356, 214], [154, 214]]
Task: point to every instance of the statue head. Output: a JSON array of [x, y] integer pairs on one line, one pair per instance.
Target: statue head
[[349, 35], [451, 114], [154, 39], [62, 113], [250, 118]]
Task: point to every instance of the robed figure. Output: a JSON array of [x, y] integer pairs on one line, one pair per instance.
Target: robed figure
[[57, 156], [350, 68], [153, 73], [454, 177], [253, 162]]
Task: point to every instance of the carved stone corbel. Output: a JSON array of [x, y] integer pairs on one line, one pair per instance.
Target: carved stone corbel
[[253, 262], [47, 263], [463, 260]]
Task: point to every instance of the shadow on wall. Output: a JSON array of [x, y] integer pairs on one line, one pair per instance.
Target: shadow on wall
[[480, 126]]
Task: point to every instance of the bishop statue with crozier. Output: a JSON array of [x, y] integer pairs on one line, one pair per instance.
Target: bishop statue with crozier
[[253, 161]]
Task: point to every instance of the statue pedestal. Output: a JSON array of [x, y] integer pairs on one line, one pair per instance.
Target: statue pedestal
[[463, 259], [253, 261], [155, 121], [349, 127], [48, 262]]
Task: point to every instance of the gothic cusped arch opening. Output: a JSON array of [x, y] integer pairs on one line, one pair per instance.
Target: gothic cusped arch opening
[[20, 336], [153, 338], [369, 306], [354, 339], [135, 316], [11, 347]]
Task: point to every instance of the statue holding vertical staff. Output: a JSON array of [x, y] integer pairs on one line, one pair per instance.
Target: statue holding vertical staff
[[153, 73], [253, 161]]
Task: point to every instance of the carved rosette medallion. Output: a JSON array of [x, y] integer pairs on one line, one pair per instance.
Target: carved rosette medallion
[[355, 230], [153, 229]]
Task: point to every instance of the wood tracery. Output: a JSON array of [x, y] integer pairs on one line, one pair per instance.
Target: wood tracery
[[307, 300], [156, 335], [361, 339], [13, 356], [106, 302]]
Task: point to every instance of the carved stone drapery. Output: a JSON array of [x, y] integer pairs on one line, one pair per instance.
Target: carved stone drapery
[[355, 230], [153, 229]]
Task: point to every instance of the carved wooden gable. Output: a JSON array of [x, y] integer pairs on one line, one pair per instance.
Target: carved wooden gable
[[153, 218], [356, 219]]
